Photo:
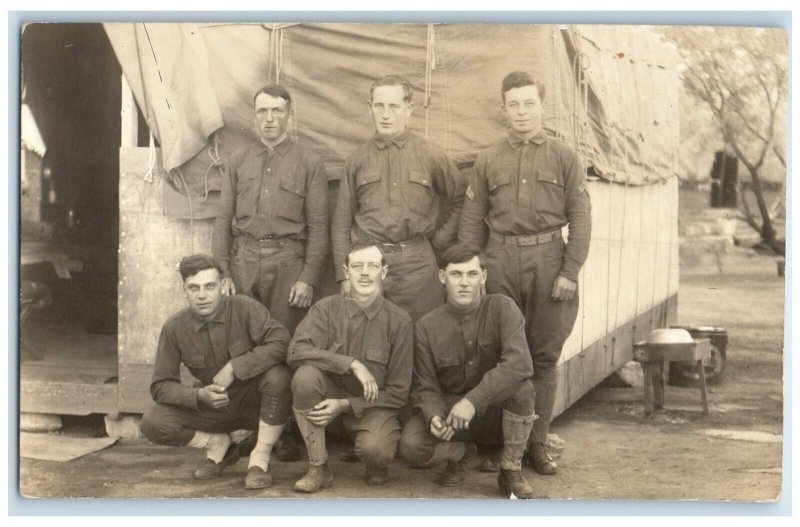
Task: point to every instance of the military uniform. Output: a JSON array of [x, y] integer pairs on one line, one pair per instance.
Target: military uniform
[[479, 354], [521, 194], [243, 333], [336, 332], [390, 194], [273, 223]]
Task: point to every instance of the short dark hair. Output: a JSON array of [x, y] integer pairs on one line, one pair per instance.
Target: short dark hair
[[519, 79], [393, 80], [274, 90], [461, 253], [361, 244], [191, 265]]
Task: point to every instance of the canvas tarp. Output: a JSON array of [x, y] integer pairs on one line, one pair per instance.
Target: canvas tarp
[[611, 91]]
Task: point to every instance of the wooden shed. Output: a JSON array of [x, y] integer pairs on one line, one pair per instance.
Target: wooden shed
[[186, 103]]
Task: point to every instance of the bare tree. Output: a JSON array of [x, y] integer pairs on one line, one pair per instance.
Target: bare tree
[[739, 74]]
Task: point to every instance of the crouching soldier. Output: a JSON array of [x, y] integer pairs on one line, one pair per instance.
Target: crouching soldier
[[353, 358], [238, 352], [471, 367]]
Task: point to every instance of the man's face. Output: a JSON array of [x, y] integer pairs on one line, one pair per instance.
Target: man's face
[[463, 282], [523, 109], [272, 117], [390, 112], [365, 271], [204, 292]]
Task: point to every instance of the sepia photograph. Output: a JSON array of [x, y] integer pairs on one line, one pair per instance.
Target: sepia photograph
[[438, 260]]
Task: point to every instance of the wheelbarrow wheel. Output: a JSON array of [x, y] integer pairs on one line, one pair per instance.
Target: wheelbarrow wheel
[[685, 373]]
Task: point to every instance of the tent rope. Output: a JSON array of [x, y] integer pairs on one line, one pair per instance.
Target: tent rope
[[430, 65]]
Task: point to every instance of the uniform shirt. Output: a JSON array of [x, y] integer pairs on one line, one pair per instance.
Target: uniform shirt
[[532, 186], [241, 332], [280, 191], [475, 353], [390, 193], [337, 330]]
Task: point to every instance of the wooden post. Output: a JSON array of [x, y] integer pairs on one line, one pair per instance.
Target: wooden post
[[647, 369], [701, 372], [129, 125]]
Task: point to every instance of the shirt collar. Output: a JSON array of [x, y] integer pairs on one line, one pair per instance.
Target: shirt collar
[[464, 312], [219, 317], [370, 311], [399, 141], [514, 140], [281, 147]]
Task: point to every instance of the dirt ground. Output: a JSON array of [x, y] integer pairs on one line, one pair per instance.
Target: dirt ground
[[612, 450]]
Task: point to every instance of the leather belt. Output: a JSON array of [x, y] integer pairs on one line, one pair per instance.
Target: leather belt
[[527, 239], [402, 246], [270, 242]]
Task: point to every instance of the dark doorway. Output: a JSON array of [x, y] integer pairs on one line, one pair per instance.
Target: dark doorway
[[71, 83]]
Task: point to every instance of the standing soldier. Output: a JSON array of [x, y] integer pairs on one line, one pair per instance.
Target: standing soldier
[[271, 234], [390, 193], [526, 187]]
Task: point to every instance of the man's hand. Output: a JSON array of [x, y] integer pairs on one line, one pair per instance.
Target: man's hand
[[345, 285], [326, 411], [564, 289], [228, 287], [366, 379], [461, 414], [212, 396], [301, 294], [224, 377], [440, 430]]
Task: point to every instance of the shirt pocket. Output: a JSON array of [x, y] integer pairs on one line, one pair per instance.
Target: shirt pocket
[[193, 359], [291, 200], [239, 348], [420, 192], [501, 193], [368, 190], [445, 359], [247, 188], [378, 354], [549, 195]]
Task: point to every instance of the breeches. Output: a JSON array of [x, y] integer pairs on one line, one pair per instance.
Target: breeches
[[266, 397], [417, 443], [267, 274], [375, 433], [527, 275]]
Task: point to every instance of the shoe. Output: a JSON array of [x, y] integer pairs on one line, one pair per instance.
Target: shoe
[[456, 472], [511, 483], [286, 449], [208, 469], [491, 464], [317, 477], [376, 476], [349, 456], [540, 460], [257, 479]]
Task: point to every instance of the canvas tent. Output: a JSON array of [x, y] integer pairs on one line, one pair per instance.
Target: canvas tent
[[611, 92]]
